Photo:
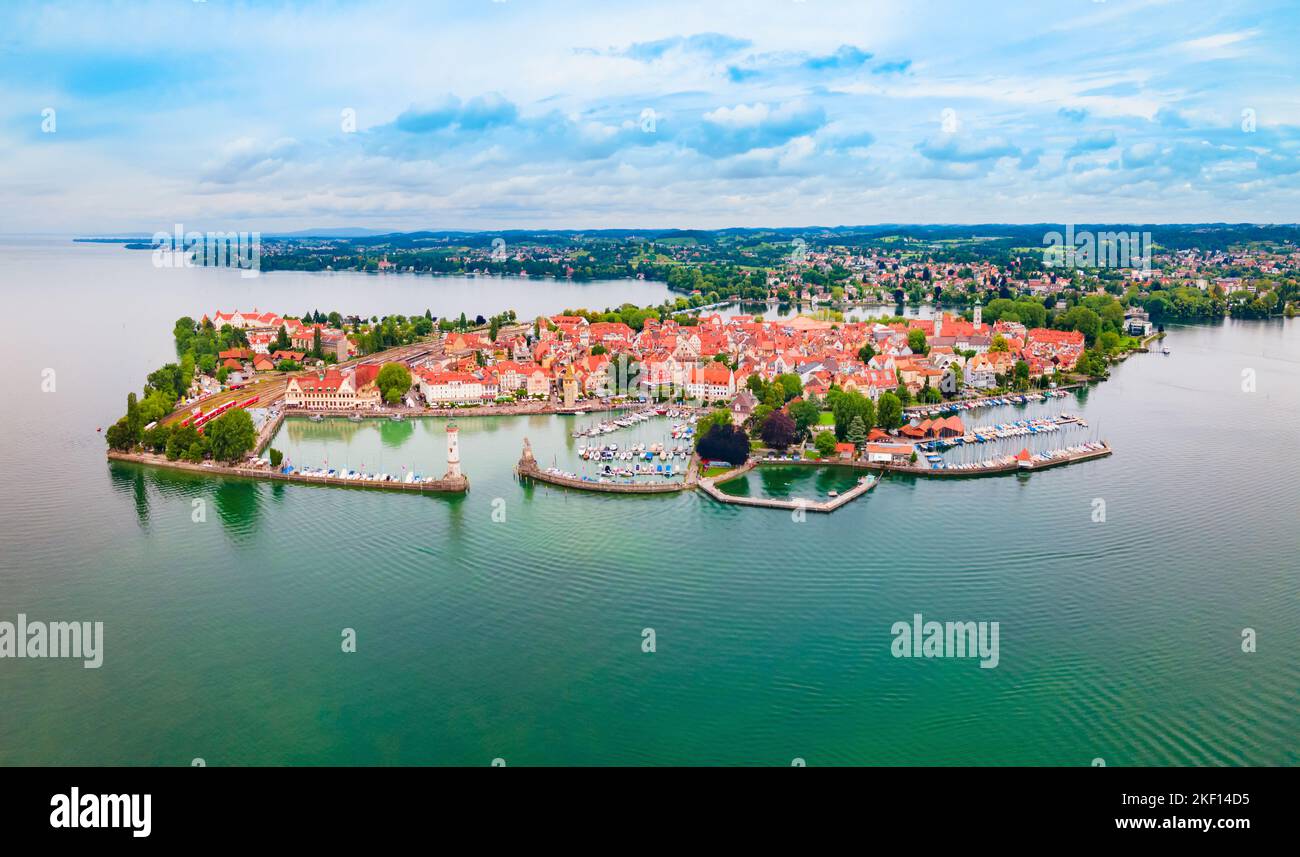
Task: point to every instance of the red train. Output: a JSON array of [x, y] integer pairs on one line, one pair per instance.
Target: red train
[[198, 420]]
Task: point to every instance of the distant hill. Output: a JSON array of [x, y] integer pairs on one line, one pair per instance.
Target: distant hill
[[331, 232]]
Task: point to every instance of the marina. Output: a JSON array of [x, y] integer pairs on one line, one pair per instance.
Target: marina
[[939, 410]]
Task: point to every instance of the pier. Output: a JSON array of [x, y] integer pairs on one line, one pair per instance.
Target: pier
[[447, 485], [957, 405], [995, 469], [710, 486]]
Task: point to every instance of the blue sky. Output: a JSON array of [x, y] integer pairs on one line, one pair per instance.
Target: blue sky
[[484, 115]]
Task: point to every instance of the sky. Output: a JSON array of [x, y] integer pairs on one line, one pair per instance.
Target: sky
[[120, 117]]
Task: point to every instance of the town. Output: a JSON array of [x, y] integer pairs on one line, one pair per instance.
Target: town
[[763, 358]]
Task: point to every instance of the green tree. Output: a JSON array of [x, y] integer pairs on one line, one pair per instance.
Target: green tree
[[857, 433], [889, 411], [276, 456], [1082, 319], [119, 435], [790, 384], [156, 438], [805, 414], [394, 380], [232, 435], [182, 438], [825, 443], [845, 406], [916, 341], [134, 422]]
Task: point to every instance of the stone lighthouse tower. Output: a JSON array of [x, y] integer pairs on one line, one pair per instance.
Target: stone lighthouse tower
[[453, 452]]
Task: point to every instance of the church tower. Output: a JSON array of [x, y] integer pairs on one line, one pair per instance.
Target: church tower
[[453, 452], [979, 314]]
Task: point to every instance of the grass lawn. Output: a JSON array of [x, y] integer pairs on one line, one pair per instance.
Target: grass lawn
[[826, 418], [710, 472]]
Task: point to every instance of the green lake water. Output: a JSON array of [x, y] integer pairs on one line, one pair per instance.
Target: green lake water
[[791, 482], [507, 623]]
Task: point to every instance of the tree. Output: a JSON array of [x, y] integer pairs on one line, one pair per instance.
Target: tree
[[778, 430], [889, 411], [394, 380], [825, 443], [954, 380], [232, 435], [183, 437], [276, 456], [168, 379], [1082, 319], [866, 352], [282, 340], [316, 350], [806, 415], [916, 341], [718, 417], [724, 443], [790, 384], [847, 405], [119, 435], [1021, 374], [857, 433], [156, 438], [134, 422], [999, 344]]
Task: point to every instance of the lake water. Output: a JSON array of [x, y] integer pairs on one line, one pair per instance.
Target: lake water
[[777, 482], [507, 623]]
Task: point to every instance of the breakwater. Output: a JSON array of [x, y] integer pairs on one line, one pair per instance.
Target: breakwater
[[446, 485]]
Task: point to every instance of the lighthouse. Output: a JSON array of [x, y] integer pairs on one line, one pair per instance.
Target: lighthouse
[[453, 452]]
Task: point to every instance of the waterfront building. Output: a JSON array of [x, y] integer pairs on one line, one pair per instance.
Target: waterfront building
[[889, 453], [333, 389], [439, 386]]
